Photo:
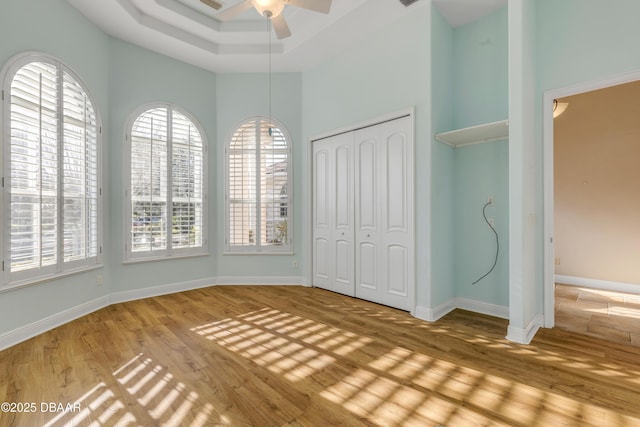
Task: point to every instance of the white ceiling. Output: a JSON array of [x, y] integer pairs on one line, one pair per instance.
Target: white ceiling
[[188, 31]]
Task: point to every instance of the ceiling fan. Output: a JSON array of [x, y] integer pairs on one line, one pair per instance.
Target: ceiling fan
[[270, 9]]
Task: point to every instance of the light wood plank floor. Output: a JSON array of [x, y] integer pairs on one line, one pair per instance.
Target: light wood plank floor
[[294, 356], [612, 316]]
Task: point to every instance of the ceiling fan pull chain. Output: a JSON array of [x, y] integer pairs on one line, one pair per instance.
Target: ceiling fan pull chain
[[270, 118]]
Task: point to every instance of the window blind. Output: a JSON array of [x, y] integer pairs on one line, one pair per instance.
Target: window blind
[[187, 183], [257, 188], [34, 167], [243, 197], [80, 173], [53, 172], [167, 184], [149, 181]]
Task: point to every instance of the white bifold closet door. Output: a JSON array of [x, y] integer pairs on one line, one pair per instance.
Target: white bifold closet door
[[333, 216], [384, 256], [363, 213]]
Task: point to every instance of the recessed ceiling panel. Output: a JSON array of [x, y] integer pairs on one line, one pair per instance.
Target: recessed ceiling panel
[[188, 30]]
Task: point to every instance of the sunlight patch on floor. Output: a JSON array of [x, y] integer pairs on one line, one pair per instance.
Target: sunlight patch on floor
[[165, 399], [285, 344], [401, 387], [99, 407]]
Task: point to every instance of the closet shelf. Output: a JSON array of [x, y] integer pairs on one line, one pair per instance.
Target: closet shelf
[[475, 134]]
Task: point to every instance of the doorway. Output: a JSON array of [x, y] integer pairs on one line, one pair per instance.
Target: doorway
[[555, 241], [608, 315]]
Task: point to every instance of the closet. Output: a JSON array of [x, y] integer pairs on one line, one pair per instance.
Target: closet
[[363, 213]]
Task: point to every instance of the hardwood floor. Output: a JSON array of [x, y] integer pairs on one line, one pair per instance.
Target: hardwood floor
[[612, 316], [294, 356]]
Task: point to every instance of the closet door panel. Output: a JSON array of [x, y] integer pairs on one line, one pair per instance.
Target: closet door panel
[[343, 192], [321, 265], [397, 270], [344, 265], [321, 187], [367, 277], [322, 214], [395, 165], [343, 215], [367, 193], [368, 213], [396, 138]]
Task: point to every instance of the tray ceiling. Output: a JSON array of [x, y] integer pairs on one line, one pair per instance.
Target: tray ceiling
[[188, 31]]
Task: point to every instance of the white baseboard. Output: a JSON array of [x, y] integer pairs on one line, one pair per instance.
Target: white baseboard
[[605, 285], [155, 291], [483, 307], [38, 327], [261, 280], [524, 336], [433, 314]]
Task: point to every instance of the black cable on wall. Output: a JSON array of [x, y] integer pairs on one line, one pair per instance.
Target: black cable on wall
[[495, 261]]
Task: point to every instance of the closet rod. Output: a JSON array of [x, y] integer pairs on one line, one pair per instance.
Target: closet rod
[[362, 127]]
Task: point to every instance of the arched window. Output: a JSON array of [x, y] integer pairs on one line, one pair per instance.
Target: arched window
[[51, 185], [258, 188], [166, 213]]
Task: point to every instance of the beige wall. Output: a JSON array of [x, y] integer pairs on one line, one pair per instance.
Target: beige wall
[[597, 185]]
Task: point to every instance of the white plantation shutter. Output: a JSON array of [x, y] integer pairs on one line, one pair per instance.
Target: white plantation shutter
[[52, 182], [166, 185], [242, 198], [187, 184], [80, 173], [33, 168], [258, 197], [149, 181]]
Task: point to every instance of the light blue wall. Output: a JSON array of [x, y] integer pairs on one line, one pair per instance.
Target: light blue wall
[[481, 70], [240, 96], [584, 40], [137, 77], [389, 72], [386, 73], [442, 162], [480, 91], [482, 171], [576, 42], [63, 33]]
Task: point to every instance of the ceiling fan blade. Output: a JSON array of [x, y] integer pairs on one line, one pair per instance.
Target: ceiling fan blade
[[212, 3], [235, 10], [322, 6], [280, 26]]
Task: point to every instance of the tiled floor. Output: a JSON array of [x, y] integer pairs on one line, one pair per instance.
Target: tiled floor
[[613, 316]]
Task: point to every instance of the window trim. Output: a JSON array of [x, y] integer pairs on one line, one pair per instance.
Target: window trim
[[130, 257], [259, 249], [61, 268]]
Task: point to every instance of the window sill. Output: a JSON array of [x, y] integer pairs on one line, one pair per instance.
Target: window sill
[[12, 286], [258, 253], [164, 258]]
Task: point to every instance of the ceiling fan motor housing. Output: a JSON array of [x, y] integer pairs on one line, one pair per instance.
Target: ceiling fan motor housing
[[408, 2]]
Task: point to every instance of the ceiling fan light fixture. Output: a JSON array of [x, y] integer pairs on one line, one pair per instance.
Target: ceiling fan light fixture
[[268, 8]]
